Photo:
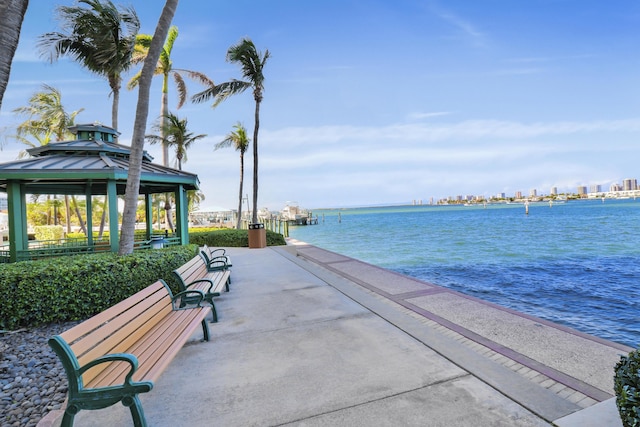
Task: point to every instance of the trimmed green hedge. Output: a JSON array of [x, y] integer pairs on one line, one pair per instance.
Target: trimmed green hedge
[[627, 388], [77, 287], [227, 237]]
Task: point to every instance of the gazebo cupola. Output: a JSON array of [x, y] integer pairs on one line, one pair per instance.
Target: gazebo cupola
[[94, 132], [91, 165]]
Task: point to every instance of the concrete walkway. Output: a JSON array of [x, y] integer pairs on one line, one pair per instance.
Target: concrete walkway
[[307, 337]]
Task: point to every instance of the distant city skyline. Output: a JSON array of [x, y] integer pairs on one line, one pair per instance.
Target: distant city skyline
[[628, 185]]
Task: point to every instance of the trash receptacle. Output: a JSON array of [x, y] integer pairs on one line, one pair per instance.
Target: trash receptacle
[[257, 236], [157, 242]]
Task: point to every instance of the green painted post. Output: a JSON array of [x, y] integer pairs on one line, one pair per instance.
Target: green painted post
[[89, 199], [148, 212], [114, 229], [182, 220], [17, 206]]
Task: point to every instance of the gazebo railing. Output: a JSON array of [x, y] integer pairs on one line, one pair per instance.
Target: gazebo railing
[[40, 249]]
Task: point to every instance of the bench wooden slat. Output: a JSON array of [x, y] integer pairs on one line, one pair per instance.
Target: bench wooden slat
[[177, 343], [128, 327], [76, 332], [165, 340], [123, 341]]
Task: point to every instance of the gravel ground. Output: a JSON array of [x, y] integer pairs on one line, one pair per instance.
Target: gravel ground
[[32, 379]]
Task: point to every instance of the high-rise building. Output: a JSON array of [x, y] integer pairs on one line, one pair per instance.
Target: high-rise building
[[615, 187], [596, 188], [518, 195], [630, 184], [554, 191], [582, 190], [533, 193]]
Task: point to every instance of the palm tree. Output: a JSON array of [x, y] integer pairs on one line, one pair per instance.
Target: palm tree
[[166, 69], [47, 118], [194, 197], [252, 63], [239, 140], [174, 132], [11, 17], [137, 141], [100, 37]]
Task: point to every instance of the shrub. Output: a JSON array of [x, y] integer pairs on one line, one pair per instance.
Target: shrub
[[627, 388], [77, 287], [228, 237], [49, 232]]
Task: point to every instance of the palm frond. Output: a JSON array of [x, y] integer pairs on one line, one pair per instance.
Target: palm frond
[[133, 82], [181, 87], [171, 39], [230, 88]]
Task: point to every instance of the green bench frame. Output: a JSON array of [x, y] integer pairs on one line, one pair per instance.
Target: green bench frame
[[215, 259], [194, 275], [121, 352]]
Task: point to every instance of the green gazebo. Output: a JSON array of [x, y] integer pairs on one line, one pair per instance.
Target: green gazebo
[[91, 165]]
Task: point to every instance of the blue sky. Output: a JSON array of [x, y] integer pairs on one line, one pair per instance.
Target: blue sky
[[382, 102]]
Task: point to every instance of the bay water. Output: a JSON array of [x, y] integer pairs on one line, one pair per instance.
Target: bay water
[[573, 263]]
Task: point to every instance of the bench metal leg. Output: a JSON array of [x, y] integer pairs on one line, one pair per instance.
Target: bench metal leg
[[135, 406], [67, 419], [205, 329], [214, 313]]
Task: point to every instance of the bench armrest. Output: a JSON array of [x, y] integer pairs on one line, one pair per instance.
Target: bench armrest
[[211, 251], [218, 263], [200, 281], [187, 299], [219, 252], [123, 357]]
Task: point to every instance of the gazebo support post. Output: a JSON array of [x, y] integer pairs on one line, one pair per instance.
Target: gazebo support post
[[148, 211], [17, 206], [89, 199], [182, 220], [112, 196]]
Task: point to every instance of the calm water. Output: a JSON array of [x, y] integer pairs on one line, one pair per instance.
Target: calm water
[[574, 263]]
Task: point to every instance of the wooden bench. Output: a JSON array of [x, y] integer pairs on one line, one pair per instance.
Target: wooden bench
[[121, 352], [195, 275], [216, 259], [217, 253]]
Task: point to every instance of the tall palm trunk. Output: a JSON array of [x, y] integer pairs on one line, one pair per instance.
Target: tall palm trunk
[[11, 17], [83, 227], [164, 110], [137, 143], [103, 218], [67, 213], [114, 83], [240, 192], [254, 216]]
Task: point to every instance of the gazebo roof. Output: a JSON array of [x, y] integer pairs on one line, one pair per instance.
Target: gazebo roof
[[68, 167], [84, 147]]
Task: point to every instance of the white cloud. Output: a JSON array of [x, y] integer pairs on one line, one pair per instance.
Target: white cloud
[[419, 116], [347, 165], [462, 25]]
